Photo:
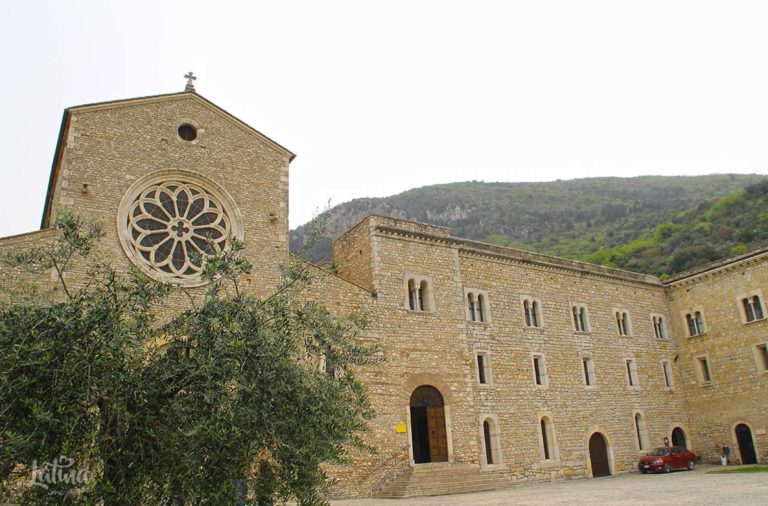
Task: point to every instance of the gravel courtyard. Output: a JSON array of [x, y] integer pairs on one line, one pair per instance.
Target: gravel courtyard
[[699, 487]]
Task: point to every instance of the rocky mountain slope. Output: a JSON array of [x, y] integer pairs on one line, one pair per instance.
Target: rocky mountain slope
[[585, 219]]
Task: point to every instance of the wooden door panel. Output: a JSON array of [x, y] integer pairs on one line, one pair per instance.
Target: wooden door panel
[[438, 441]]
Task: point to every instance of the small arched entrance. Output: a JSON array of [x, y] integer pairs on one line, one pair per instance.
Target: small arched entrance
[[678, 437], [430, 443], [746, 444], [598, 455]]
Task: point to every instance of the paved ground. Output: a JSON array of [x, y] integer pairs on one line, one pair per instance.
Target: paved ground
[[682, 487]]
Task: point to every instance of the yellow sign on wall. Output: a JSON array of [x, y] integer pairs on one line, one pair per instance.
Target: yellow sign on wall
[[400, 428]]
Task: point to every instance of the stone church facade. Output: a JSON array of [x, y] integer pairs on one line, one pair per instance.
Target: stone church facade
[[500, 366]]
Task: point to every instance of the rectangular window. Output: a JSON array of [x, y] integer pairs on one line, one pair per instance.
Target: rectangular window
[[667, 370], [762, 352], [706, 377], [631, 372], [589, 373], [753, 308], [539, 370], [483, 368]]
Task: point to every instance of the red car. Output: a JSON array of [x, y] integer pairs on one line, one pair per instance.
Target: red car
[[667, 458]]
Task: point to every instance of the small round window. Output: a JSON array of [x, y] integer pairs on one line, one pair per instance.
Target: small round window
[[187, 132]]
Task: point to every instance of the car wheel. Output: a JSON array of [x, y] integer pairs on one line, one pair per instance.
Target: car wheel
[[667, 468], [691, 465]]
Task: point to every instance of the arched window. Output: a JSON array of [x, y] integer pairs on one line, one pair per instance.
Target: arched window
[[547, 438], [489, 446], [695, 322], [758, 307], [623, 327], [753, 308], [412, 295], [580, 317], [532, 312], [419, 293], [477, 309], [527, 311], [641, 431], [480, 304]]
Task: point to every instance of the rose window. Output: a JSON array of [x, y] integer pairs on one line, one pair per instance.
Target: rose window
[[172, 225]]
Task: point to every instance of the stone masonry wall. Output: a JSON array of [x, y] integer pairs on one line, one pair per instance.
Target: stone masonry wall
[[739, 378], [109, 147], [438, 347], [577, 410], [352, 255]]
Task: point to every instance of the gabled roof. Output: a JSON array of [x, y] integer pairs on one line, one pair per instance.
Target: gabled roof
[[98, 106]]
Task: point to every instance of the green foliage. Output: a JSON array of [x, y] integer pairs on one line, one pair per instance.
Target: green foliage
[[572, 219], [729, 226], [745, 469], [653, 224], [76, 236], [229, 394]]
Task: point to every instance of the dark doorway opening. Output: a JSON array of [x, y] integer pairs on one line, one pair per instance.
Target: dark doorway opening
[[746, 444], [678, 437], [598, 455], [430, 441]]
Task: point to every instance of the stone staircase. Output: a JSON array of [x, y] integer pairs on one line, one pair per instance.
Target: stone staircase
[[439, 479]]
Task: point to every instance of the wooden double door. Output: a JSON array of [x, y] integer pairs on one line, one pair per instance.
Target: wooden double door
[[429, 436]]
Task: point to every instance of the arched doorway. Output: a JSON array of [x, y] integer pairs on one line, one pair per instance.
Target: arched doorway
[[598, 455], [430, 443], [746, 444], [678, 437]]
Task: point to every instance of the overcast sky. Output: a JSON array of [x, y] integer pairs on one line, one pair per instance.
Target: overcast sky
[[379, 97]]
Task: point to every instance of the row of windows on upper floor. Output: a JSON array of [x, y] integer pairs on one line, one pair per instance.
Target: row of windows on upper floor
[[478, 310], [419, 298], [540, 375], [750, 308]]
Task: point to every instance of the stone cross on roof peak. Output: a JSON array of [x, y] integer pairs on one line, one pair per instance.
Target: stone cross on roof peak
[[191, 78]]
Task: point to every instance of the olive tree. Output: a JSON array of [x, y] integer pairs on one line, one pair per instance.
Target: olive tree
[[228, 399]]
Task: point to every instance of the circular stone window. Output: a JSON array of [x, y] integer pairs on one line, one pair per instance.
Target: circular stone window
[[187, 132], [169, 222]]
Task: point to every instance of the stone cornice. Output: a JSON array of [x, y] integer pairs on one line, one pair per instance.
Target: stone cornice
[[716, 268], [481, 249]]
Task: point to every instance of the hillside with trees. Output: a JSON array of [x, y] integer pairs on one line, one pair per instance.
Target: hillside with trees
[[654, 224]]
